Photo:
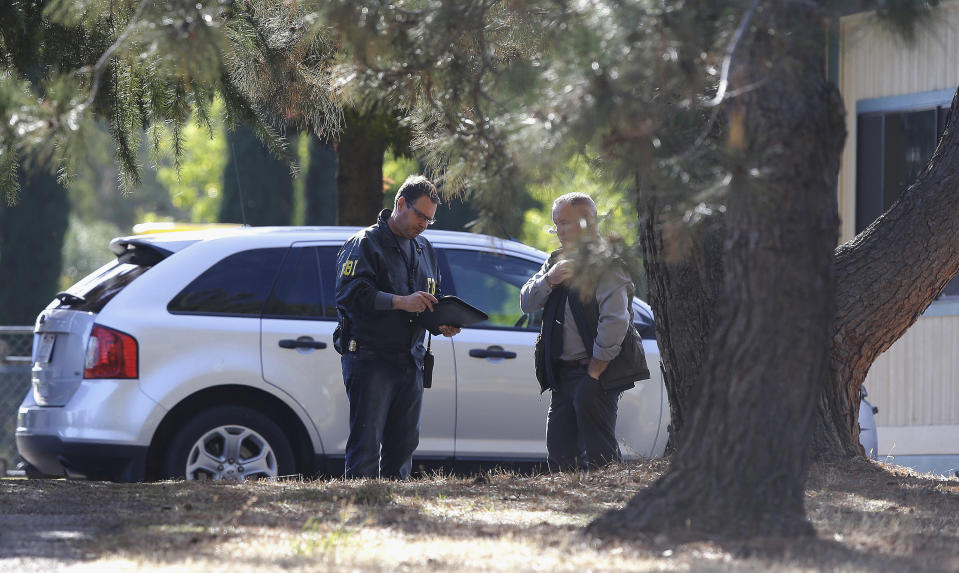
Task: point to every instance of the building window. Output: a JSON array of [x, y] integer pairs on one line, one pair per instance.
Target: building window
[[895, 139]]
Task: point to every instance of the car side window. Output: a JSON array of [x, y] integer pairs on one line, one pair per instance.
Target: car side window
[[237, 285], [491, 282], [327, 257], [297, 293]]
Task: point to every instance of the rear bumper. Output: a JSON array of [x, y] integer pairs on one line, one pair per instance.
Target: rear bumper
[[102, 433], [53, 456]]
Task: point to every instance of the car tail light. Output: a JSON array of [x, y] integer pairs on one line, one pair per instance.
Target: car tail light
[[110, 354]]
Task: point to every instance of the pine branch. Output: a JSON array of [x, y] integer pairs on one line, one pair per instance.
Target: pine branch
[[99, 67], [9, 165]]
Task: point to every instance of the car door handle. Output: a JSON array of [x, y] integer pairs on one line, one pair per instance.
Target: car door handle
[[491, 352], [302, 342]]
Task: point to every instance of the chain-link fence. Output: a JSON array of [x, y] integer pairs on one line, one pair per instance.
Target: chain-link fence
[[16, 343]]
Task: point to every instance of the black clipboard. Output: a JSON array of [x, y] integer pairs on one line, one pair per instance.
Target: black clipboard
[[452, 311]]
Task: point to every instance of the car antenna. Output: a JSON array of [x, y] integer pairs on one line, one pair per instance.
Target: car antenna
[[239, 185]]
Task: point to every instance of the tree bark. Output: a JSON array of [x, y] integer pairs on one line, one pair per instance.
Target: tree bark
[[359, 180], [739, 470], [886, 277], [685, 275], [359, 176]]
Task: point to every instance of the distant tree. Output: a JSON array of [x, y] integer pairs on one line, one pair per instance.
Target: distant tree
[[367, 134], [321, 182], [440, 65], [257, 187], [31, 238], [139, 65], [193, 182]]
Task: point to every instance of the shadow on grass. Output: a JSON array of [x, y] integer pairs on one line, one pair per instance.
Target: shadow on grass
[[172, 522]]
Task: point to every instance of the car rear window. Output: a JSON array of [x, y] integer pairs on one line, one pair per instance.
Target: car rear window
[[237, 285], [95, 290]]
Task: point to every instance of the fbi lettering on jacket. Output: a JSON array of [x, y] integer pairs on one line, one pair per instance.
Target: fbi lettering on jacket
[[349, 267]]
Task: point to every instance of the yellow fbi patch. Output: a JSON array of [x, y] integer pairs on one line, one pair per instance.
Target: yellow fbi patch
[[431, 285], [349, 267]]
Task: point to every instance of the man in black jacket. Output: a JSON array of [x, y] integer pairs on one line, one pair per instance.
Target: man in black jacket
[[387, 274], [588, 352]]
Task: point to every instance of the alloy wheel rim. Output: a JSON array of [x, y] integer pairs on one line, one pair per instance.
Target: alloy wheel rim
[[231, 452]]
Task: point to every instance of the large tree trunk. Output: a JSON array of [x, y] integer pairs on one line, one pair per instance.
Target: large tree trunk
[[886, 277], [359, 179], [739, 470], [685, 275]]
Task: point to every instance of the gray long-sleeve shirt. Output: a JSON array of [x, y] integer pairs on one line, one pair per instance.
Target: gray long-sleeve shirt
[[614, 314]]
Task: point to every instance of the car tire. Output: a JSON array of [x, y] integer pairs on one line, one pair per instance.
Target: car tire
[[229, 442]]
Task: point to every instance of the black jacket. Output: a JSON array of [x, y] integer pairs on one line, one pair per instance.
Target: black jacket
[[623, 371], [372, 261]]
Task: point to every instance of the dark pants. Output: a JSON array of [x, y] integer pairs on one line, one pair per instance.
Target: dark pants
[[385, 400], [581, 423]]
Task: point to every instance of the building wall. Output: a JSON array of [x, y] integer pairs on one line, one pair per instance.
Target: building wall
[[876, 62], [915, 383]]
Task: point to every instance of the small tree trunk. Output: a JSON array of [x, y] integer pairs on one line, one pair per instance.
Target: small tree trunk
[[685, 275], [887, 276], [739, 470]]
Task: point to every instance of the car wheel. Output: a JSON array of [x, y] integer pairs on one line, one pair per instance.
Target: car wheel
[[229, 442]]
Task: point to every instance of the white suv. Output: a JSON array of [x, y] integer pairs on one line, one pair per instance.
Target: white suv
[[209, 354]]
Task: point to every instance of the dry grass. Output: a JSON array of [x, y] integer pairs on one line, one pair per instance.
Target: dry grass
[[867, 518]]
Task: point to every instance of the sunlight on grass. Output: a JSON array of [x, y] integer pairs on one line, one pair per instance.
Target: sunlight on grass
[[179, 528], [865, 520], [317, 539]]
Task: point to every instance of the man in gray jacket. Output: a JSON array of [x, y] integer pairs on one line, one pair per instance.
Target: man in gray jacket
[[584, 334]]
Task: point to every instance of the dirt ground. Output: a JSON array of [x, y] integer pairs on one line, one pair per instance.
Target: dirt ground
[[868, 518]]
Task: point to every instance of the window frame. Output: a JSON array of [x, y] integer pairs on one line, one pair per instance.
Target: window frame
[[945, 304]]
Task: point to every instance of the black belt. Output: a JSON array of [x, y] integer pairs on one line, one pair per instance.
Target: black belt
[[391, 353], [573, 363]]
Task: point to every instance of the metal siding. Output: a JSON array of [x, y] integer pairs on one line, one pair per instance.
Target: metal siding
[[915, 381], [875, 62]]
